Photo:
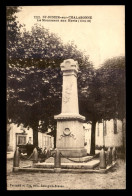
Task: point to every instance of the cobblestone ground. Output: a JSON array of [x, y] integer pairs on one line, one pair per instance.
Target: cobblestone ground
[[114, 179]]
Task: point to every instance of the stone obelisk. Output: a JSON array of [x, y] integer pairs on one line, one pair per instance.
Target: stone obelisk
[[70, 133]]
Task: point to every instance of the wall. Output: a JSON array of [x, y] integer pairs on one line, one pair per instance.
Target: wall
[[87, 130], [99, 134], [45, 140], [110, 138]]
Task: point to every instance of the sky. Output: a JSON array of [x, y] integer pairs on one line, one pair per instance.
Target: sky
[[102, 38]]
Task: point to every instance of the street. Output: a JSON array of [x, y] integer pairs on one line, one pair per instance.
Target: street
[[114, 179]]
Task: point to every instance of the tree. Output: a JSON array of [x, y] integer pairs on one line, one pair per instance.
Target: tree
[[105, 97], [34, 78], [12, 30], [111, 78], [10, 13]]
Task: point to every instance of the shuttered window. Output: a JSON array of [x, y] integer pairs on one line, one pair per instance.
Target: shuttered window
[[115, 126]]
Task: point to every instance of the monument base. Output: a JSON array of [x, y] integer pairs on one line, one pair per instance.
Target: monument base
[[75, 153]]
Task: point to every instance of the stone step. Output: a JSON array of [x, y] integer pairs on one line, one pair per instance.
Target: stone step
[[85, 165], [63, 170], [69, 160]]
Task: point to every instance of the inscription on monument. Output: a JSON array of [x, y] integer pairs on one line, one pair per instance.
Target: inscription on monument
[[67, 93]]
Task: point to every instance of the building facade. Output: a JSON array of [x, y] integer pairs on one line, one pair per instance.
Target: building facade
[[108, 132], [20, 136], [45, 141], [87, 130]]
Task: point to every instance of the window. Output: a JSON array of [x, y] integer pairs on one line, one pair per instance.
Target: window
[[21, 140], [115, 126]]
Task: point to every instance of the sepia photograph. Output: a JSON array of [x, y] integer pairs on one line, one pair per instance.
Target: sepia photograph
[[66, 97]]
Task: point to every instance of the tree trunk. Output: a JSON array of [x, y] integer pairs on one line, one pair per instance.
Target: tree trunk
[[92, 150], [35, 134], [55, 137]]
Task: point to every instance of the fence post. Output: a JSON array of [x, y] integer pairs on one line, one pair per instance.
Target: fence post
[[102, 159], [57, 160], [35, 155], [109, 156], [16, 160], [48, 153]]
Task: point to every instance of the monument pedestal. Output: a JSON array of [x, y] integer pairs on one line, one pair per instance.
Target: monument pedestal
[[70, 134]]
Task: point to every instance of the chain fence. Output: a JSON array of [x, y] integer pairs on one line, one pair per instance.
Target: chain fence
[[26, 158], [79, 161], [44, 157]]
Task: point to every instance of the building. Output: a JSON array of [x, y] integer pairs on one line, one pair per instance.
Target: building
[[112, 131], [45, 140], [17, 136], [108, 132], [20, 136], [87, 130]]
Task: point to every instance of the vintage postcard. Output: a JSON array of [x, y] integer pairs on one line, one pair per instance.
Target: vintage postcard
[[66, 118]]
